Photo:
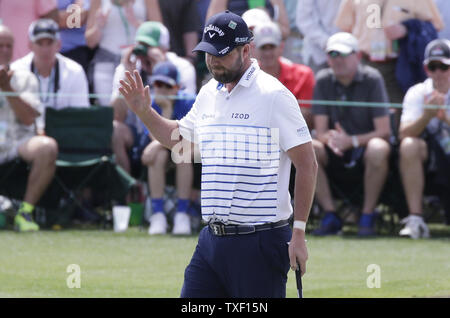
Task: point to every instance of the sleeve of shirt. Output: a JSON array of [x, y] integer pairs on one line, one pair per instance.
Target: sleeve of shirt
[[412, 105], [187, 123], [379, 95], [287, 118]]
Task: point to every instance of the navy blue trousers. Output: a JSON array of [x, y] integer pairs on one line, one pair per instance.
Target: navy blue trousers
[[249, 265]]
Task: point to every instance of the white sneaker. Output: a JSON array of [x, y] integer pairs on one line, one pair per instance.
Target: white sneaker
[[181, 224], [158, 224], [415, 227]]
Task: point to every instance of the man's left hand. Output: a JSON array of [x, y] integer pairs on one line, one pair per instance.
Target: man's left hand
[[298, 253]]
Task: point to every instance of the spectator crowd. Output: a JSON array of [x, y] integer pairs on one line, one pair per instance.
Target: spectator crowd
[[372, 78]]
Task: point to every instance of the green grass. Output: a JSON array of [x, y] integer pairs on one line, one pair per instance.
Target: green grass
[[133, 264]]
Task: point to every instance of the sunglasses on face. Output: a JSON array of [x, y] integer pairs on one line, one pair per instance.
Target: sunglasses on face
[[48, 30], [434, 66], [335, 54], [159, 84]]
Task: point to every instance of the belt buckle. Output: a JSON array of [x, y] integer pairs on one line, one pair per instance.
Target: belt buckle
[[218, 229]]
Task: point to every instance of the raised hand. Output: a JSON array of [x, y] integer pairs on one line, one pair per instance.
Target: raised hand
[[136, 95]]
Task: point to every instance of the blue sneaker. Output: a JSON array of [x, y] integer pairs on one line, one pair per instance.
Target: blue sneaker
[[331, 224], [367, 225]]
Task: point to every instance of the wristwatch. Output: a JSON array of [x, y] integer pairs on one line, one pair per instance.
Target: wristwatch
[[355, 142]]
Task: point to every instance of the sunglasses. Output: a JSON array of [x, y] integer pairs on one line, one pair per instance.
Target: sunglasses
[[49, 30], [162, 85], [441, 66], [335, 54]]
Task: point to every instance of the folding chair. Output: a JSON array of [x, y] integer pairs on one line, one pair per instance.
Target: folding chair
[[85, 158]]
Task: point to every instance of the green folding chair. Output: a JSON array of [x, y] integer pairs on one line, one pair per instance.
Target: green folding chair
[[85, 158]]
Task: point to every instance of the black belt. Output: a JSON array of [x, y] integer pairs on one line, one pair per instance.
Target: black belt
[[220, 229]]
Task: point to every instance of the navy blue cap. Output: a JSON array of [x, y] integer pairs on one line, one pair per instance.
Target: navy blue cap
[[165, 72], [223, 32]]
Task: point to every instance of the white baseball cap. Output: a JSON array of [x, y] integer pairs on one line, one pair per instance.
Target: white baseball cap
[[255, 16], [267, 33], [342, 42]]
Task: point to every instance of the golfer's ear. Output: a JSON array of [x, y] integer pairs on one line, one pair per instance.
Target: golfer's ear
[[246, 50]]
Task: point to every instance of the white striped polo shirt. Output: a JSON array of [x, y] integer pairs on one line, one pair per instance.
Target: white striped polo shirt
[[243, 137]]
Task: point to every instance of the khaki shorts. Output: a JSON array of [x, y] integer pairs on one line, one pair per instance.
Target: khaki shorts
[[11, 151]]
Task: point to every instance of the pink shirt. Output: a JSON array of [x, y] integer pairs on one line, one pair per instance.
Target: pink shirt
[[18, 15]]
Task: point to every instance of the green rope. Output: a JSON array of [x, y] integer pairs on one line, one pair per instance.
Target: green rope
[[301, 101]]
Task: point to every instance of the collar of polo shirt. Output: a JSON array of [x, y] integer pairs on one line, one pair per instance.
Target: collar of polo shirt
[[248, 76]]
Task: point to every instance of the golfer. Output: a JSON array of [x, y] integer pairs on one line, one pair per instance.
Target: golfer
[[248, 128]]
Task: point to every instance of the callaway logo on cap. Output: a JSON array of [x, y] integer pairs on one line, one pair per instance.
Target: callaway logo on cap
[[223, 32]]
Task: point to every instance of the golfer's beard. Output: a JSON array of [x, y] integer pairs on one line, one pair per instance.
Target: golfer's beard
[[228, 76]]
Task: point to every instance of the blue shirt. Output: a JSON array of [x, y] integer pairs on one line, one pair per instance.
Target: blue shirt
[[181, 106], [72, 38]]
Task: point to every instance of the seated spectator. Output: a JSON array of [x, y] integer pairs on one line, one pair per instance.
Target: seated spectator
[[315, 19], [17, 135], [62, 81], [165, 82], [275, 9], [350, 140], [424, 133], [18, 15], [73, 42], [152, 45], [299, 79], [111, 26]]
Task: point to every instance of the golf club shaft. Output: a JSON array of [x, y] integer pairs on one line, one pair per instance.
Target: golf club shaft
[[298, 278]]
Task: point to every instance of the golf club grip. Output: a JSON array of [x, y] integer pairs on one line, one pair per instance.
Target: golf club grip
[[298, 278]]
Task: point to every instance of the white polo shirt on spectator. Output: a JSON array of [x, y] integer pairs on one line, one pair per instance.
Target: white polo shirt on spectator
[[243, 137], [72, 84], [413, 103]]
